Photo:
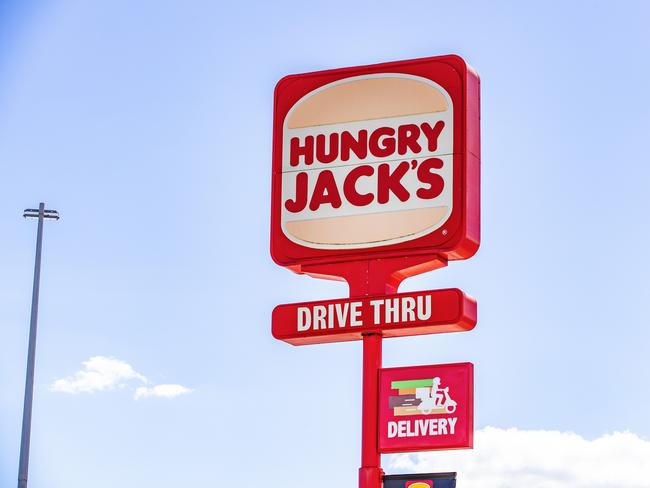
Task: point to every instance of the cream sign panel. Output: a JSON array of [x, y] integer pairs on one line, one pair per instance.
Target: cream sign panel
[[367, 161]]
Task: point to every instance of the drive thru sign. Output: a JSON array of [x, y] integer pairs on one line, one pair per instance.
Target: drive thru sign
[[402, 314], [375, 179]]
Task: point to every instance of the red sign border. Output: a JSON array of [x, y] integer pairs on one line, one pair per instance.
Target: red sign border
[[463, 240]]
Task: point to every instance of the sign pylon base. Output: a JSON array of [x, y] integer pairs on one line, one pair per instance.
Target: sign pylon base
[[370, 477]]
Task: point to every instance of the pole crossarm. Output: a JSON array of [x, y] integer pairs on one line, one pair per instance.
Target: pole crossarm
[[35, 213]]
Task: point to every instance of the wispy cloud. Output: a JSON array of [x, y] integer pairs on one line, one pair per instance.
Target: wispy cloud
[[101, 373], [166, 391], [505, 458]]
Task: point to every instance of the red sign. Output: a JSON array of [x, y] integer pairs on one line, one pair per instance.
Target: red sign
[[376, 161], [426, 408], [402, 314], [375, 179]]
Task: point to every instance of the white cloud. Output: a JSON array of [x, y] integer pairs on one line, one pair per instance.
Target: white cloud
[[99, 373], [166, 391], [102, 373], [512, 458]]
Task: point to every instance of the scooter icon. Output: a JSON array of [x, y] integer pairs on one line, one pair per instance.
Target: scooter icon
[[435, 399]]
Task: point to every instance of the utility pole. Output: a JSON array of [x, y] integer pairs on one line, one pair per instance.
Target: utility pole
[[41, 214]]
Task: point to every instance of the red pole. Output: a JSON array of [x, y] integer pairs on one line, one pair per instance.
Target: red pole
[[366, 278], [370, 473]]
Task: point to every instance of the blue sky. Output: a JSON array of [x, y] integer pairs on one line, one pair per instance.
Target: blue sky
[[148, 126]]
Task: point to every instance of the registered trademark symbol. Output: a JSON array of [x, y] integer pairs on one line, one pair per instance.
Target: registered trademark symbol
[[444, 232]]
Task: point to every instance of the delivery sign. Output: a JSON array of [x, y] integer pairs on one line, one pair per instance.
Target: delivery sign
[[376, 161], [425, 408]]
